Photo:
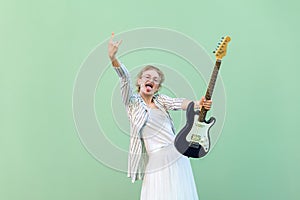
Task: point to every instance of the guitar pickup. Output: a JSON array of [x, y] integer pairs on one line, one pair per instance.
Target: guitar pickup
[[195, 145], [195, 138]]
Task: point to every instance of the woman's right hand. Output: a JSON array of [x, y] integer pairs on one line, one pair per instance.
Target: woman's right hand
[[113, 47]]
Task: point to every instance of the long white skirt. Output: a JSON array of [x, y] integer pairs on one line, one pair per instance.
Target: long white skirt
[[168, 176]]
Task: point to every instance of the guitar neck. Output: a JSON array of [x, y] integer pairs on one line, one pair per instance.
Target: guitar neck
[[210, 89]]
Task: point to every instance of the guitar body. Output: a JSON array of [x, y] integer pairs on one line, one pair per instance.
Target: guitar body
[[193, 139]]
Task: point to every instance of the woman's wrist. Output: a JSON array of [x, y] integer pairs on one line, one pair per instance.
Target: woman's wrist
[[112, 58], [197, 105], [115, 62]]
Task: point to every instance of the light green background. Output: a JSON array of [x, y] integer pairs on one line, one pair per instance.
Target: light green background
[[43, 44]]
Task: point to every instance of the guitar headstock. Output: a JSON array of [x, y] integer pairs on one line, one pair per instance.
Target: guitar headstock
[[221, 49]]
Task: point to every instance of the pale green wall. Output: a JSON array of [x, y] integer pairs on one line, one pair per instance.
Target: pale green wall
[[43, 44]]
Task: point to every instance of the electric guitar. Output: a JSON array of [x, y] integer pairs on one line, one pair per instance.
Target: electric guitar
[[193, 139]]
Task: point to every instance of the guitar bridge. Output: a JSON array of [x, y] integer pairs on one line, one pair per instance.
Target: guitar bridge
[[195, 145]]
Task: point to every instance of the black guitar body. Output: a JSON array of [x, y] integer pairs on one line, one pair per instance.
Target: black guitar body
[[188, 148]]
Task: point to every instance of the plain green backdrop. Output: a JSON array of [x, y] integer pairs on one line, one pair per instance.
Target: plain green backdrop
[[43, 44]]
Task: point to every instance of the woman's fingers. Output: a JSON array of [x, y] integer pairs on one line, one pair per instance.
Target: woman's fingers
[[114, 43], [118, 43], [202, 100], [113, 46], [207, 104], [111, 37]]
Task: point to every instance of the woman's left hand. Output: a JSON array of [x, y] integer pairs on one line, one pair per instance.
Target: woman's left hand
[[205, 103]]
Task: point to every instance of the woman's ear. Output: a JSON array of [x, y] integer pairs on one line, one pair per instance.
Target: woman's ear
[[139, 81]]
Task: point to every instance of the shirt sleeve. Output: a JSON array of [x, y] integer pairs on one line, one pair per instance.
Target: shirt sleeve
[[171, 103], [125, 81]]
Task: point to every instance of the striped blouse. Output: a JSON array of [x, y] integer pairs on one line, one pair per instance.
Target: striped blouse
[[138, 114]]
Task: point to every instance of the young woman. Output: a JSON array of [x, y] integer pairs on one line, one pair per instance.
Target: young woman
[[166, 174]]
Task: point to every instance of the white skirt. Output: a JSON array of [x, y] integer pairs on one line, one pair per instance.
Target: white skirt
[[168, 176]]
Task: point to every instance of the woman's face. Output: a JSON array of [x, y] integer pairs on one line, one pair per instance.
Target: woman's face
[[149, 82]]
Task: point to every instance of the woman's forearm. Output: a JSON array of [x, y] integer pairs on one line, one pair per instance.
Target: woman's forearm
[[126, 87], [186, 102]]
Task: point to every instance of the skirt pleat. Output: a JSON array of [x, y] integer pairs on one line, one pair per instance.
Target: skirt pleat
[[168, 176]]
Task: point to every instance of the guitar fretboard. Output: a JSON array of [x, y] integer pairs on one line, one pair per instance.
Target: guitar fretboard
[[210, 89]]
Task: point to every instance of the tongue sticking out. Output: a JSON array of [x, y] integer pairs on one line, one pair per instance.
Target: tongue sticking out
[[148, 88]]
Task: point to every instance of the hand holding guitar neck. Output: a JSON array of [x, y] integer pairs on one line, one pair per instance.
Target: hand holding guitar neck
[[204, 103]]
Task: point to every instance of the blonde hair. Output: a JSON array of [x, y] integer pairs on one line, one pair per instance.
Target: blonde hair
[[146, 68]]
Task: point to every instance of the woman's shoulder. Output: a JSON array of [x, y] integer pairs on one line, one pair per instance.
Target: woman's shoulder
[[135, 98], [161, 97]]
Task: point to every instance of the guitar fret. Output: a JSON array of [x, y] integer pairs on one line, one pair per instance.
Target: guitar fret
[[210, 89]]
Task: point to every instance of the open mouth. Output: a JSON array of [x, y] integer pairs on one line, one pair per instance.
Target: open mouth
[[149, 86]]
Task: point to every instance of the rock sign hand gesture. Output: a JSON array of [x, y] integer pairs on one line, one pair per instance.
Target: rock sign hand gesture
[[113, 47]]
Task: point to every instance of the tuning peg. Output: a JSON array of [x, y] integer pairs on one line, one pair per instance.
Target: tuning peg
[[222, 38], [214, 51]]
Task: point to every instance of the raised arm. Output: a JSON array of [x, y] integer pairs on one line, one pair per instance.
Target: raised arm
[[126, 88]]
